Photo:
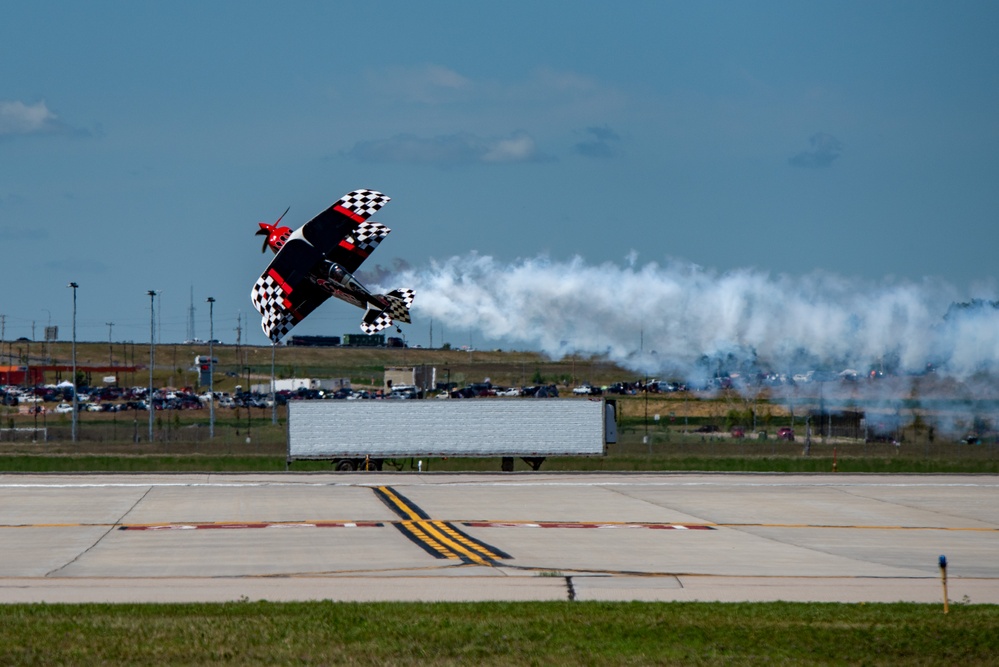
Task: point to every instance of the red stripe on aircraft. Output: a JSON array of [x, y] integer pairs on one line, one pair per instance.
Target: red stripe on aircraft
[[347, 212], [285, 287], [347, 245]]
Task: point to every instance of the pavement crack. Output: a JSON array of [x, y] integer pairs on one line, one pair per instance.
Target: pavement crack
[[111, 527]]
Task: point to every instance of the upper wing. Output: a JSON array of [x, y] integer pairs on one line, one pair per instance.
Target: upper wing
[[284, 295], [342, 233]]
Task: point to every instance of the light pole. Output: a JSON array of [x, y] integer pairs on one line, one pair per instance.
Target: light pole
[[152, 357], [75, 406], [211, 366], [273, 385]]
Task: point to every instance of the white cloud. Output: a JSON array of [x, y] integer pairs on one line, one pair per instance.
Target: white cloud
[[18, 118], [825, 149], [449, 150]]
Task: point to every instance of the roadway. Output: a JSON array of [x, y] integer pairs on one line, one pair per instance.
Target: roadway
[[521, 536]]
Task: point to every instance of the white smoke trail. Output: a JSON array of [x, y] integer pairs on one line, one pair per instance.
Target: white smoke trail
[[691, 321]]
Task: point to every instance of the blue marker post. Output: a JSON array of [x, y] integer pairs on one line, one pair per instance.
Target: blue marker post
[[943, 578]]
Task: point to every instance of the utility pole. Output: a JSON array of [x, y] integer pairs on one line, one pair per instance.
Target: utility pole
[[152, 357], [190, 318], [211, 364], [75, 405], [273, 385], [110, 349]]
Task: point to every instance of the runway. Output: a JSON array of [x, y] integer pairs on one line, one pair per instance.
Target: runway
[[520, 536]]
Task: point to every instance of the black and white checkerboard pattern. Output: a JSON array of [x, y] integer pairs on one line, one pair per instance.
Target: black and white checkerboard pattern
[[275, 320], [400, 311], [400, 301], [383, 321], [363, 202], [368, 235]]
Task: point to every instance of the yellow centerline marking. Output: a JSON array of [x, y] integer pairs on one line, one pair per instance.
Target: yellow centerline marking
[[409, 511], [416, 528], [437, 534], [457, 537]]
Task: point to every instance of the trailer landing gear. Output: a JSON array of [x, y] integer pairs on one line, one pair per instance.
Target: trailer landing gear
[[533, 461]]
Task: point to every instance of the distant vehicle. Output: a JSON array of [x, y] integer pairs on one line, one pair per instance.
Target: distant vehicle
[[738, 432], [707, 428], [584, 390], [785, 433], [64, 408]]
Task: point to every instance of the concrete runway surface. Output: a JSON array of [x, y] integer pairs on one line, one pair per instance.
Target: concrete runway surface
[[520, 536]]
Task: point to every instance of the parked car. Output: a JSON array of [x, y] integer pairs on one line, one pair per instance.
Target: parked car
[[785, 433], [64, 408]]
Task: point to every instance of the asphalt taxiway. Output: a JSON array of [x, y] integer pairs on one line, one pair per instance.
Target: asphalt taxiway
[[521, 536]]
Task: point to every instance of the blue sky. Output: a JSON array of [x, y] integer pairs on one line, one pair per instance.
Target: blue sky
[[140, 143]]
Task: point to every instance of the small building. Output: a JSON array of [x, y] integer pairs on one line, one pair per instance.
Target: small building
[[314, 341], [21, 375], [421, 377], [844, 424], [306, 384], [364, 340]]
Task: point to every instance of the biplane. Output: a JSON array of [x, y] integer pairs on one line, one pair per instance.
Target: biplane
[[318, 260]]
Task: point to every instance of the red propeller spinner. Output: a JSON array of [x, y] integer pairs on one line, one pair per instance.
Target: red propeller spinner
[[274, 236]]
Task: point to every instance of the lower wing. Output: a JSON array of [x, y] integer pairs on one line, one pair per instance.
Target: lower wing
[[284, 295]]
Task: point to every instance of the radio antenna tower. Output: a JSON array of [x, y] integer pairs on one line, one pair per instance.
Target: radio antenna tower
[[190, 317]]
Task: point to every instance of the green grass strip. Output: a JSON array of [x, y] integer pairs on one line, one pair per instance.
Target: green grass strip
[[492, 633]]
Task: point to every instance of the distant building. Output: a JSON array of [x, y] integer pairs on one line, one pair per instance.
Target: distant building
[[421, 377], [845, 424], [294, 384], [315, 341], [15, 375], [364, 340]]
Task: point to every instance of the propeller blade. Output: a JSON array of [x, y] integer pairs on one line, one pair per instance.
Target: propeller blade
[[282, 216]]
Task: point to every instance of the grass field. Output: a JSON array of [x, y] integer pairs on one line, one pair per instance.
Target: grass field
[[551, 633]]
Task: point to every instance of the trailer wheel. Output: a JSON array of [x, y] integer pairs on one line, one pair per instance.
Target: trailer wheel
[[345, 465]]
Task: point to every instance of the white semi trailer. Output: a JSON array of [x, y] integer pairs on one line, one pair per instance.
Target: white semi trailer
[[363, 434]]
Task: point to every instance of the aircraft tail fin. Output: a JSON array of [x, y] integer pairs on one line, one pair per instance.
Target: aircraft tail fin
[[399, 302]]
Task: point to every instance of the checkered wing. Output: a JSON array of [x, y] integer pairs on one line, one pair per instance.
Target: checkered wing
[[343, 234], [363, 203], [269, 299], [284, 295]]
